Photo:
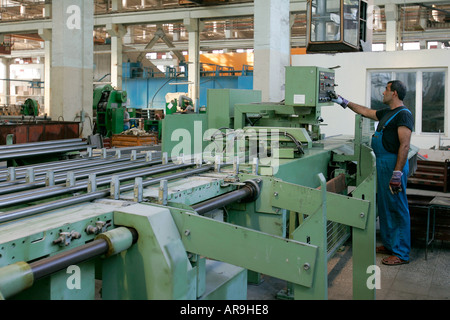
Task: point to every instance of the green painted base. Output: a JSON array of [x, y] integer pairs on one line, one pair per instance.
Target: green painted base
[[225, 282]]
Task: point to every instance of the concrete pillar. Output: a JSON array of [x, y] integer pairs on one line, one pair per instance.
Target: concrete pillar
[[194, 26], [72, 62], [6, 92], [391, 13], [272, 48], [117, 31], [46, 35]]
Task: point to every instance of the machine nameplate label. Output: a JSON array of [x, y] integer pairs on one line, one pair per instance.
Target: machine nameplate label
[[299, 99]]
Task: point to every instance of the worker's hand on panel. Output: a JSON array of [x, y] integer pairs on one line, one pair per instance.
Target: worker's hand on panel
[[396, 182], [338, 99]]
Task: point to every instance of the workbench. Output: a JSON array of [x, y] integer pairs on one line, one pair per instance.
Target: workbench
[[436, 203]]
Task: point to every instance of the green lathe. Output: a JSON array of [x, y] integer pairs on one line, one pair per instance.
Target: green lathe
[[246, 189]]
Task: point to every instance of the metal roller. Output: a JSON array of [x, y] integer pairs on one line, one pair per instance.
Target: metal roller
[[249, 192], [20, 276], [102, 245]]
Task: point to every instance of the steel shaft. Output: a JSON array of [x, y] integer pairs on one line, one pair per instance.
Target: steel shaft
[[47, 266], [249, 191]]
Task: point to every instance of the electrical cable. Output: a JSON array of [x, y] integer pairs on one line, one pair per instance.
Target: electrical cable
[[170, 79]]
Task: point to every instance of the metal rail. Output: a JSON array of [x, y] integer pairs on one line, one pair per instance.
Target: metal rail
[[53, 205], [38, 144], [43, 151], [64, 165], [43, 147], [21, 185], [47, 192]]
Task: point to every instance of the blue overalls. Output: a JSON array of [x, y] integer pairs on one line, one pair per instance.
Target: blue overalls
[[393, 210]]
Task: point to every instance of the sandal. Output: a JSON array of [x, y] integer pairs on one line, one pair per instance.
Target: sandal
[[383, 250], [393, 261]]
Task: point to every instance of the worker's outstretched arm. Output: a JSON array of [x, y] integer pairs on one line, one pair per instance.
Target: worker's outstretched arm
[[364, 111]]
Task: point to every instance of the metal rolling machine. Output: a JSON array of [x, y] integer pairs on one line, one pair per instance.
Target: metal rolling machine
[[197, 225], [108, 109]]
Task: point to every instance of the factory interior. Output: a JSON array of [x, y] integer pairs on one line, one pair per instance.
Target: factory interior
[[190, 150]]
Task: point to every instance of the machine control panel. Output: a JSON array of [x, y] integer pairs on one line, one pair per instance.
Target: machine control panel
[[308, 86], [326, 83]]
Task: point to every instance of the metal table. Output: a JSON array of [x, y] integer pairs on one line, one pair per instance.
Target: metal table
[[437, 202]]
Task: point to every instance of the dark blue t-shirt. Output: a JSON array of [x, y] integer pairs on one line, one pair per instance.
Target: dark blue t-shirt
[[390, 134]]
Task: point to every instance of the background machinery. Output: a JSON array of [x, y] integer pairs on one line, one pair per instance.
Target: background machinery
[[260, 192], [108, 106], [30, 108]]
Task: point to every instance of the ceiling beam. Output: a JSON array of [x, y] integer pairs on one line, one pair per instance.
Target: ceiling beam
[[447, 13], [407, 2], [29, 26], [151, 16], [379, 37]]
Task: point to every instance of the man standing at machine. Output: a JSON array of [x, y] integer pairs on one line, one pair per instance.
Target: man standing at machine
[[126, 120], [390, 144]]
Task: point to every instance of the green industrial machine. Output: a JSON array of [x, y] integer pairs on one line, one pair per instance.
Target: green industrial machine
[[259, 191], [30, 108], [108, 107]]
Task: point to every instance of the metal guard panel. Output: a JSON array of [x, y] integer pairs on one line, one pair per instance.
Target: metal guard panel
[[279, 257], [346, 210]]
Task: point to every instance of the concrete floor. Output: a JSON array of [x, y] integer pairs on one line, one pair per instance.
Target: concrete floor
[[419, 280]]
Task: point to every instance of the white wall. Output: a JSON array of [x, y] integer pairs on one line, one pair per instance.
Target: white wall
[[351, 78]]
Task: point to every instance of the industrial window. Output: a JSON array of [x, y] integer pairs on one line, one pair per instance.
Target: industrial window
[[425, 96]]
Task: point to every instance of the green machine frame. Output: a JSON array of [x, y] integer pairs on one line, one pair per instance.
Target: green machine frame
[[202, 225], [177, 251]]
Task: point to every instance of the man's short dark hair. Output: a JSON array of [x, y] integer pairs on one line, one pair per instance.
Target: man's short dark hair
[[397, 85]]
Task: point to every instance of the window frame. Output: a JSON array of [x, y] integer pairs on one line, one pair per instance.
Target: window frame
[[419, 96]]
